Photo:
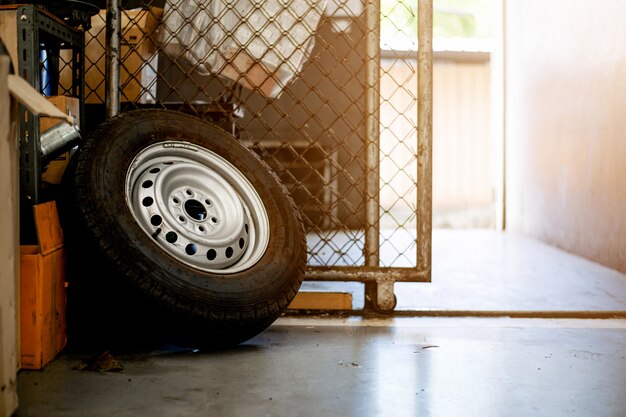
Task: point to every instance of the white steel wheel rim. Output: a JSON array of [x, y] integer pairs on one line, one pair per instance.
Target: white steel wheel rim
[[197, 207]]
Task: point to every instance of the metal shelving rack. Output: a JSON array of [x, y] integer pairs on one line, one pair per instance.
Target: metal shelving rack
[[39, 30]]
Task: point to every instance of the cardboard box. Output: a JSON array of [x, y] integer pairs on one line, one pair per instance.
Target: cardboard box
[[68, 105], [8, 31], [42, 291], [53, 173], [138, 57]]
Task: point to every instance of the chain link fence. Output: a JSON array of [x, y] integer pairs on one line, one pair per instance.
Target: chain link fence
[[325, 91]]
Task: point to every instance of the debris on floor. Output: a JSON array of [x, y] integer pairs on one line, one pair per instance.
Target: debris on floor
[[105, 362]]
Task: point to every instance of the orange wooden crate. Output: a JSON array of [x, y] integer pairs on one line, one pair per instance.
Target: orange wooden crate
[[42, 291]]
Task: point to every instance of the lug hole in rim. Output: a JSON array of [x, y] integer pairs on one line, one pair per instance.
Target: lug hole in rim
[[214, 220], [182, 219], [171, 237], [188, 192], [191, 249], [175, 200]]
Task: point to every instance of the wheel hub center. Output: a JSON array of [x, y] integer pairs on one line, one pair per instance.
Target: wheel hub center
[[195, 210]]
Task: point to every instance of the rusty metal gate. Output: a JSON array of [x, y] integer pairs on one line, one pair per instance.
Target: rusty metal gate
[[309, 85]]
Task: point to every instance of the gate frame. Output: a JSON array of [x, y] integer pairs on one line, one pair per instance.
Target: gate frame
[[379, 281]]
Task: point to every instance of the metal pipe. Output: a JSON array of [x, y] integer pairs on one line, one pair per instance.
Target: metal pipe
[[372, 135], [112, 79], [369, 275], [372, 146], [424, 134], [58, 139], [512, 314]]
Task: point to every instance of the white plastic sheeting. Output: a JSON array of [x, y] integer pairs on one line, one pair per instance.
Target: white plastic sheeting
[[259, 44]]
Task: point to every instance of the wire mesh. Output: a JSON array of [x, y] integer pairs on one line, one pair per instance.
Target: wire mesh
[[325, 91]]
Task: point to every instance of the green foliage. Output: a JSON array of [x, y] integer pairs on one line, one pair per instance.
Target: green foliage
[[451, 18], [398, 19]]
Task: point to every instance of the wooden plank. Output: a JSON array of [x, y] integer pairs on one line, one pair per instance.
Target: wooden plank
[[49, 231], [33, 100], [321, 301], [9, 264]]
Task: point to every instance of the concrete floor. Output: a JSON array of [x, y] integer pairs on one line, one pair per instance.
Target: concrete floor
[[485, 270], [312, 366], [359, 367]]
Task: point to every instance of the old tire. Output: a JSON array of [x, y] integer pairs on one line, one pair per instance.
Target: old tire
[[174, 211]]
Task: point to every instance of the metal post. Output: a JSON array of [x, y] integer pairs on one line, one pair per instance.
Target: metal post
[[78, 75], [424, 134], [28, 68], [36, 29], [113, 35], [372, 145]]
